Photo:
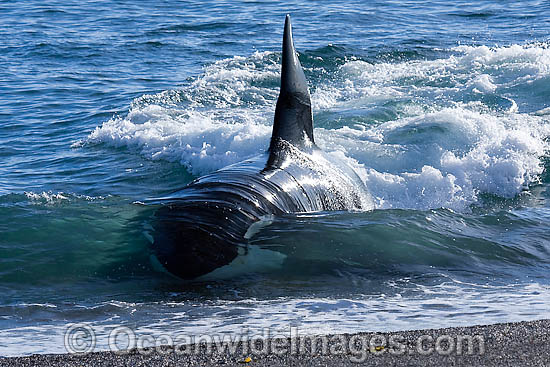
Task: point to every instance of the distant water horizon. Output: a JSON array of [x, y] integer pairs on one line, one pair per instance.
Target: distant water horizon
[[443, 109]]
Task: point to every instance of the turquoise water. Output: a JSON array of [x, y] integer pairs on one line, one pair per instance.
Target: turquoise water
[[443, 109]]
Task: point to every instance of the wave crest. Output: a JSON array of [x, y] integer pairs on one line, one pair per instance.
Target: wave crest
[[422, 133]]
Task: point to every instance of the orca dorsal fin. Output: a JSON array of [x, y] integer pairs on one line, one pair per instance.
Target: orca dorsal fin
[[293, 117]]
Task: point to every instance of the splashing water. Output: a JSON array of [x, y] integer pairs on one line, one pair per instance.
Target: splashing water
[[442, 112]]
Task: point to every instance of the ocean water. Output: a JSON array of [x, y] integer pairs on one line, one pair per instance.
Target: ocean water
[[443, 108]]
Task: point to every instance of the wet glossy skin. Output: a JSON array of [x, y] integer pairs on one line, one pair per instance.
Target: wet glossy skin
[[202, 226]]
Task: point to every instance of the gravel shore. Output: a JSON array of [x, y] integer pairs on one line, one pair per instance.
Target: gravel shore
[[510, 344]]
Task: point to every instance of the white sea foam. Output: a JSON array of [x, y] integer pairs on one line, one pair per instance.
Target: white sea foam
[[449, 304], [196, 139], [478, 69], [444, 148], [58, 197], [445, 158], [47, 197]]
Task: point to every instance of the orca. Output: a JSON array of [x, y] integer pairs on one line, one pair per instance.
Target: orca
[[207, 224]]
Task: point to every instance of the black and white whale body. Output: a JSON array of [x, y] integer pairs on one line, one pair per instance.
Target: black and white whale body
[[206, 225]]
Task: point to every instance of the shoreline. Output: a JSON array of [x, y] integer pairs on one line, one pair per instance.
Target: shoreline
[[525, 343]]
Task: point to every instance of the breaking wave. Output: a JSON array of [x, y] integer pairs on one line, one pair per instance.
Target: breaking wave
[[422, 134]]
